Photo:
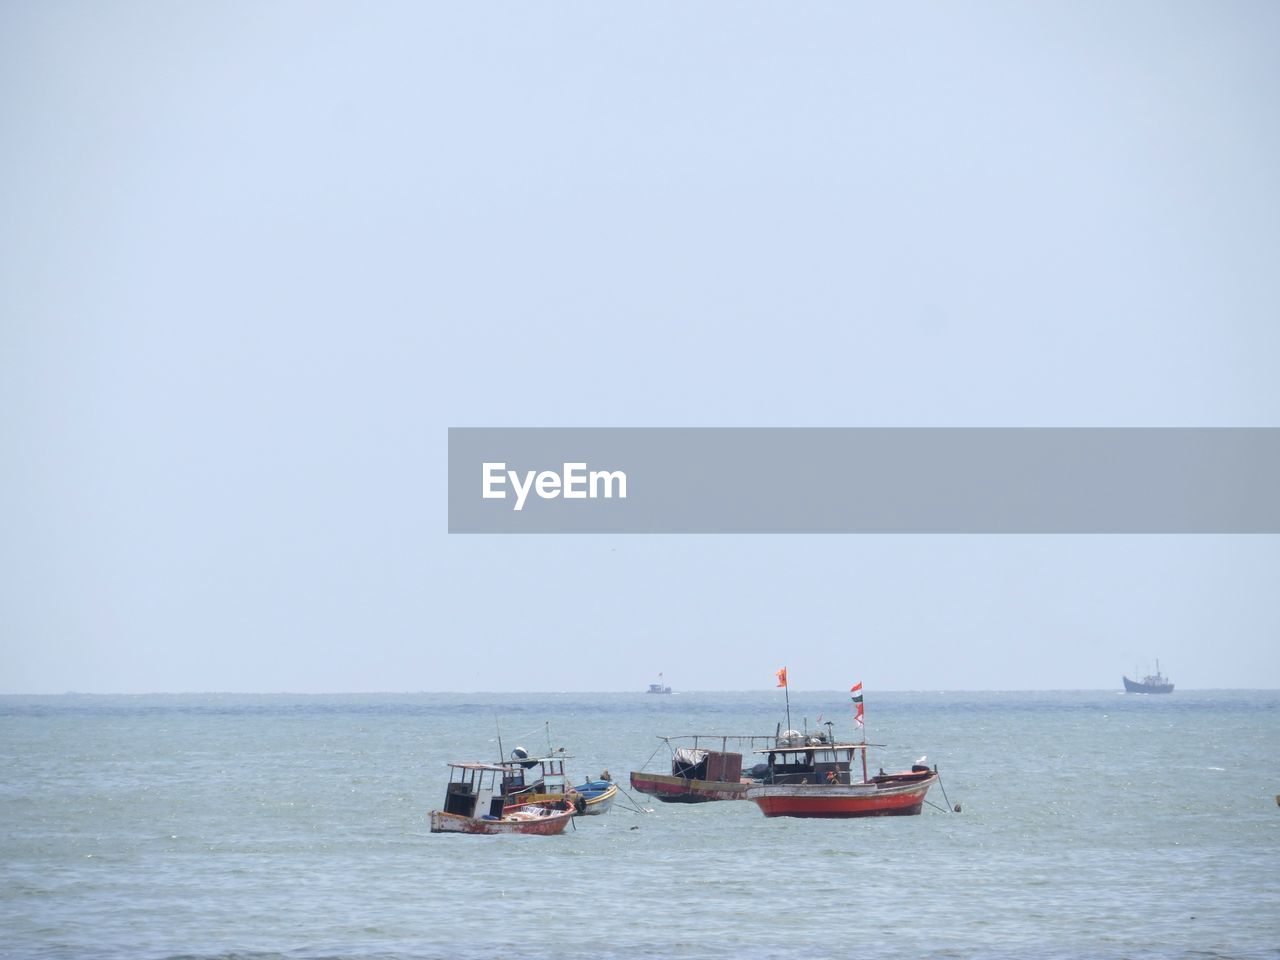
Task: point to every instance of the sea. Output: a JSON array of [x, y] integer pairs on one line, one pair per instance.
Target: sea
[[1091, 824]]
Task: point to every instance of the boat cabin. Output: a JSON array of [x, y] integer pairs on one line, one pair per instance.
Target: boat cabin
[[473, 790], [522, 783], [693, 763], [815, 760], [708, 756]]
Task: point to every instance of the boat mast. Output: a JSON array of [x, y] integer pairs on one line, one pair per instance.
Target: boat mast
[[786, 689], [863, 725]]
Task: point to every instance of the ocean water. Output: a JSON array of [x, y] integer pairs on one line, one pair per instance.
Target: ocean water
[[1093, 824]]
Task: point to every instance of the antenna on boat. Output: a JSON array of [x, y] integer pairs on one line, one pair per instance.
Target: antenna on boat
[[501, 755]]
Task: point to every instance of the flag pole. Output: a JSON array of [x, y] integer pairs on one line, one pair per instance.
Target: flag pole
[[863, 725], [862, 716], [858, 718], [786, 689]]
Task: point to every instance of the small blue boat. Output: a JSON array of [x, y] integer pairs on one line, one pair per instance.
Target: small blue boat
[[597, 796]]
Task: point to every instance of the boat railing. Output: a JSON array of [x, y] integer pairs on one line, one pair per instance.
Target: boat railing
[[700, 741]]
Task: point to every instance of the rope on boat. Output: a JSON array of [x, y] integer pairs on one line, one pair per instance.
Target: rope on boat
[[638, 808], [634, 804], [956, 808], [652, 755]]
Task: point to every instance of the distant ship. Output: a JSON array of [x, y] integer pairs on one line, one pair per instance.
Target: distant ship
[[659, 687], [1151, 683]]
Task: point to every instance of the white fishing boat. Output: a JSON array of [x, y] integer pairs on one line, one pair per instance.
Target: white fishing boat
[[659, 687], [473, 803]]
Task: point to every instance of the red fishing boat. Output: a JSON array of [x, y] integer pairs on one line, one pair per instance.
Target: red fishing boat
[[811, 776], [474, 803]]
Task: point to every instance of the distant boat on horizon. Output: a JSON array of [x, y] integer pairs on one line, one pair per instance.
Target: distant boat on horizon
[[658, 687], [1151, 683]]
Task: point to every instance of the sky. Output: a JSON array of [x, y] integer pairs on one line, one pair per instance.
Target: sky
[[257, 258]]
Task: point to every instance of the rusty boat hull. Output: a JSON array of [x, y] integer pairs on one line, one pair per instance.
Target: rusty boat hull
[[670, 789], [530, 819], [890, 796]]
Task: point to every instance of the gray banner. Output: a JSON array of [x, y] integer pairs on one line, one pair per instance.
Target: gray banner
[[797, 480]]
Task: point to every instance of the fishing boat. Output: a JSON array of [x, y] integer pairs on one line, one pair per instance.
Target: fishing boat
[[538, 780], [474, 803], [541, 780], [596, 796], [813, 776], [698, 773], [658, 687], [1151, 683]]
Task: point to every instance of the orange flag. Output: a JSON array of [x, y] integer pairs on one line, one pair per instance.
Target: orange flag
[[782, 677]]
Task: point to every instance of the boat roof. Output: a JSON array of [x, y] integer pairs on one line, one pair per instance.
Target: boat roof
[[504, 766], [809, 747]]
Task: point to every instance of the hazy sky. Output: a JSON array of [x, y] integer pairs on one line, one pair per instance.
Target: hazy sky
[[256, 258]]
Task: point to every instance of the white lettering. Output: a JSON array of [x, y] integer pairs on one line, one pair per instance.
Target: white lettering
[[609, 477], [574, 483], [491, 478], [521, 492], [548, 484], [573, 479]]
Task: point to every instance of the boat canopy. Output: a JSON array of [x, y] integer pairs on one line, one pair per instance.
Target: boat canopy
[[809, 748], [690, 755], [528, 762], [709, 741]]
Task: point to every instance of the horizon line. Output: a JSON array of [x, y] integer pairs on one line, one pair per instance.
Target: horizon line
[[378, 693]]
